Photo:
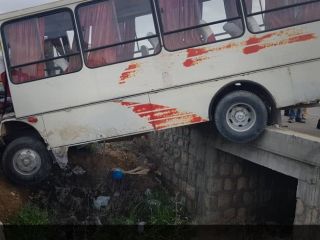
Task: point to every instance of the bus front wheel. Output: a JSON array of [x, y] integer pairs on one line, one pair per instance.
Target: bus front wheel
[[26, 161], [240, 116]]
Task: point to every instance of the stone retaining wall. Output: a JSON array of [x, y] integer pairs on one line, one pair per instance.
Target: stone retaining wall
[[218, 187]]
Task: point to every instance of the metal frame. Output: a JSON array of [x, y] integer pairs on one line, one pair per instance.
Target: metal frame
[[163, 33], [116, 44], [5, 44], [247, 15]]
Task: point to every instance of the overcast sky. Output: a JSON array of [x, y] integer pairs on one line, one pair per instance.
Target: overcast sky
[[11, 5]]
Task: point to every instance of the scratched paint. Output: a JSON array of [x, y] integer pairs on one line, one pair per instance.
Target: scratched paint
[[295, 39], [129, 73], [250, 46], [161, 117]]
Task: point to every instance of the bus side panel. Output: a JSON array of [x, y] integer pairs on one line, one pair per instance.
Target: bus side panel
[[191, 104], [306, 81], [96, 122]]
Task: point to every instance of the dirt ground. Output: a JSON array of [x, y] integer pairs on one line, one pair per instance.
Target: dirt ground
[[69, 195], [12, 199]]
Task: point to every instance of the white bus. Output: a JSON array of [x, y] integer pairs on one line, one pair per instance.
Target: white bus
[[84, 71]]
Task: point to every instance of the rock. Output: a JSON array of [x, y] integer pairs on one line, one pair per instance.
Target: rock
[[101, 202], [141, 227], [78, 171], [148, 192]]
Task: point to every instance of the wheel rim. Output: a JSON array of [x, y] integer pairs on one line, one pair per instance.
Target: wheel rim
[[241, 117], [26, 162]]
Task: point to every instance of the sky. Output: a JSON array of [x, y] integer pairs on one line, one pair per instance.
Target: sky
[[12, 5]]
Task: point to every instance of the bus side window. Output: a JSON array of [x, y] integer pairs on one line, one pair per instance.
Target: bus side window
[[196, 22], [116, 31], [41, 46], [281, 14]]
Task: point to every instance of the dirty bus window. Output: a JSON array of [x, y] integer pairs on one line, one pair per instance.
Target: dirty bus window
[[197, 22], [265, 15], [117, 31], [41, 46]]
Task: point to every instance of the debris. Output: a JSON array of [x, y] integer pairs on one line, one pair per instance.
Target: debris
[[78, 170], [141, 227], [138, 171], [147, 192], [117, 174], [61, 156], [101, 202]]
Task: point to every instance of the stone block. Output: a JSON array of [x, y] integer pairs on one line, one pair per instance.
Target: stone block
[[229, 214], [248, 198], [299, 207], [184, 158], [253, 183], [237, 169], [242, 214], [237, 199], [225, 169], [176, 153], [224, 200], [214, 185], [190, 192], [210, 202], [228, 184], [242, 183], [177, 168]]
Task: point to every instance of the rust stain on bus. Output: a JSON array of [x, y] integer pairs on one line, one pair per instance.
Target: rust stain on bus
[[252, 45], [129, 72], [197, 55], [291, 39], [161, 117]]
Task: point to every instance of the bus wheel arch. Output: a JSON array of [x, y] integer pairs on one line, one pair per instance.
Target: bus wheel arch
[[26, 159], [13, 129], [244, 99]]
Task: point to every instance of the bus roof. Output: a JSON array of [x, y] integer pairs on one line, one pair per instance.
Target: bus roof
[[37, 9]]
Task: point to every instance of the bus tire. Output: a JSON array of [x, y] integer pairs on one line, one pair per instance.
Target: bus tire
[[240, 116], [26, 161]]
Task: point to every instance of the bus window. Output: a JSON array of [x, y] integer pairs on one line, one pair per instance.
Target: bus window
[[275, 14], [39, 47], [197, 22], [116, 31]]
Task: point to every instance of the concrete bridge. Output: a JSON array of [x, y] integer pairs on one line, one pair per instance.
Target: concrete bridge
[[275, 179]]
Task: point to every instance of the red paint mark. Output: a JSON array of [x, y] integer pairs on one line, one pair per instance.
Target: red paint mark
[[302, 38], [193, 61], [256, 40], [292, 39], [161, 117], [193, 52], [32, 119], [194, 55], [253, 49], [252, 45], [129, 72]]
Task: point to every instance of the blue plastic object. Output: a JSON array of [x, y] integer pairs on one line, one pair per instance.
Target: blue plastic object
[[117, 174]]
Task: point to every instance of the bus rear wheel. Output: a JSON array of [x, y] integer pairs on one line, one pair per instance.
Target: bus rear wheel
[[240, 116], [26, 161]]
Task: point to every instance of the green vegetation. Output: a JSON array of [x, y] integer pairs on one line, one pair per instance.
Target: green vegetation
[[157, 208], [30, 215]]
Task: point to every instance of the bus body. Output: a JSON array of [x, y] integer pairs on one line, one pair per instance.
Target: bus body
[[87, 71]]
